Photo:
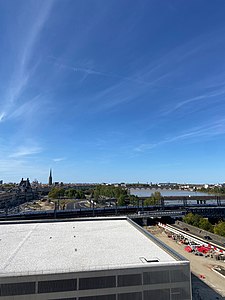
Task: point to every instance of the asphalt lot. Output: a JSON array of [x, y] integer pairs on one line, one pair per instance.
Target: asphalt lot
[[213, 285]]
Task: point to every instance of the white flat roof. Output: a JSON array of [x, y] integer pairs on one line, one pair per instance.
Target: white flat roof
[[75, 246]]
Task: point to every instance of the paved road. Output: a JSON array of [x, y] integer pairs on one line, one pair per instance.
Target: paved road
[[77, 204], [201, 291]]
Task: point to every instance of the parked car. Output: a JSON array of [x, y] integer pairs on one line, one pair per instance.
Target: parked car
[[198, 253], [207, 237]]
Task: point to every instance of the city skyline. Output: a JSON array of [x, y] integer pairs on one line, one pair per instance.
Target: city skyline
[[50, 181], [112, 91]]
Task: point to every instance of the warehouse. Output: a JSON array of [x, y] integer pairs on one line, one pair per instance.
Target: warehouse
[[88, 259]]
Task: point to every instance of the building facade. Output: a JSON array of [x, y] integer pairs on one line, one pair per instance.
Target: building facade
[[17, 195], [83, 265]]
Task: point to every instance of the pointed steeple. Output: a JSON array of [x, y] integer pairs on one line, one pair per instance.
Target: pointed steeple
[[50, 178]]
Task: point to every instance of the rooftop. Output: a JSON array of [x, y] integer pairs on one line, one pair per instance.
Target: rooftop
[[63, 246]]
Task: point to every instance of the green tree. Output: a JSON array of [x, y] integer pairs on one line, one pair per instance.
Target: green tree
[[196, 220], [56, 193], [109, 191], [80, 195], [133, 199], [220, 228], [156, 197], [148, 202], [96, 194], [205, 224], [122, 200], [192, 219], [70, 193]]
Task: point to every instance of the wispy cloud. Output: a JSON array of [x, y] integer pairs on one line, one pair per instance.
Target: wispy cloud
[[23, 73], [91, 71], [59, 159], [25, 151], [2, 115], [13, 166], [16, 168], [200, 98], [170, 61], [145, 75], [194, 134], [153, 71], [28, 108], [145, 147]]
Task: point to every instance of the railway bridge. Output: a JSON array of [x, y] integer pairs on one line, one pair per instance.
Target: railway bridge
[[134, 211], [187, 200]]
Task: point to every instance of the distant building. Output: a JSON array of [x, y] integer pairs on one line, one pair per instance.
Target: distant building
[[17, 195], [1, 181], [50, 178], [25, 191], [167, 184], [67, 260], [25, 185]]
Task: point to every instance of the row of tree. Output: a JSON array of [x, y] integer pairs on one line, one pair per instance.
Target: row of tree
[[200, 222], [57, 193], [120, 194], [109, 191], [216, 190], [105, 192]]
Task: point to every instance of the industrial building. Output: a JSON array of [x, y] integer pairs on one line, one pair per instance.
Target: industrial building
[[88, 259]]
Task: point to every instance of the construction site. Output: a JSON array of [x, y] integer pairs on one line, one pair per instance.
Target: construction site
[[207, 260]]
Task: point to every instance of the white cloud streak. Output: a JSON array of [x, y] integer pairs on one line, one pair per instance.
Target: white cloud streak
[[90, 71], [200, 98], [145, 77], [207, 131], [26, 151], [22, 73], [59, 159], [2, 115]]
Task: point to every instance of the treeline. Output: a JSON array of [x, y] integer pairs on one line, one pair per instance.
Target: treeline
[[57, 193], [111, 192], [202, 223], [104, 192], [155, 199], [217, 190], [138, 185], [121, 196]]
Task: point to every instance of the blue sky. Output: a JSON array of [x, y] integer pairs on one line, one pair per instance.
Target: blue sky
[[112, 91]]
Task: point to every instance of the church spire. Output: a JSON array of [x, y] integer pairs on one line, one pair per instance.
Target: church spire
[[50, 178]]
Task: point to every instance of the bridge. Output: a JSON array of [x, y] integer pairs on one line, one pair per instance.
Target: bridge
[[186, 200], [146, 212], [158, 214]]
